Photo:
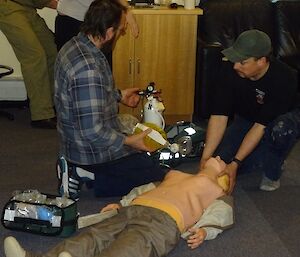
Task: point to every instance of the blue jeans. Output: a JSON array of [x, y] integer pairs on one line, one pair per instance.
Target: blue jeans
[[279, 138]]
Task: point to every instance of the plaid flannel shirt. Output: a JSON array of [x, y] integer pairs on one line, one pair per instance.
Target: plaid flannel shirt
[[86, 102]]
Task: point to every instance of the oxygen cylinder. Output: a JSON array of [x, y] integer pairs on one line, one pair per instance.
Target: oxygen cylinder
[[153, 110]]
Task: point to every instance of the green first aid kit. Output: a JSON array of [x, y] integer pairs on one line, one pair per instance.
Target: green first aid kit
[[43, 214]]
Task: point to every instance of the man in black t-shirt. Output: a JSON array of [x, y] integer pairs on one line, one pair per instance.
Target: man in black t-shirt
[[259, 93]]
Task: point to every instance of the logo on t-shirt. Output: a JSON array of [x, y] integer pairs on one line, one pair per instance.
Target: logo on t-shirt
[[260, 95]]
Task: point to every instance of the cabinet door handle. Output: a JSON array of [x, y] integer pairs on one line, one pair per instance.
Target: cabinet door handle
[[138, 66], [129, 66]]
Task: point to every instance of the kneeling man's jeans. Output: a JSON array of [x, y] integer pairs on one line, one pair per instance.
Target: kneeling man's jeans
[[280, 136]]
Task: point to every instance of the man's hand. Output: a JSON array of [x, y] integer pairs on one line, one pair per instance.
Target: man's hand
[[111, 206], [130, 19], [52, 4], [130, 97], [132, 24], [231, 170], [202, 162], [196, 238], [137, 141]]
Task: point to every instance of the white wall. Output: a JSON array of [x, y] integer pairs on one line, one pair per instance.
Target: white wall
[[7, 56], [12, 87]]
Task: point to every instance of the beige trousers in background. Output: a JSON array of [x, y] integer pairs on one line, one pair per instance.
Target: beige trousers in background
[[33, 44]]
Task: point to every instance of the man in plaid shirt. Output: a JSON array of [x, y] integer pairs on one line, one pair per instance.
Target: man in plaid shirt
[[86, 100]]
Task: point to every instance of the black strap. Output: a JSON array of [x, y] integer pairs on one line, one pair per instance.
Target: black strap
[[5, 73]]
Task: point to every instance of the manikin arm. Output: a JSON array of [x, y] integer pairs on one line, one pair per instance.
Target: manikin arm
[[127, 199], [112, 209], [215, 219]]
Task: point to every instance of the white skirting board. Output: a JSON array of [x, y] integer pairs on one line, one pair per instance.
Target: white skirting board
[[12, 89]]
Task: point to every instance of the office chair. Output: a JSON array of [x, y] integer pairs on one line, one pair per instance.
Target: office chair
[[5, 71]]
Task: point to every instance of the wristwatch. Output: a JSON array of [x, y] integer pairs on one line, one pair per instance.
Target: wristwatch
[[237, 161]]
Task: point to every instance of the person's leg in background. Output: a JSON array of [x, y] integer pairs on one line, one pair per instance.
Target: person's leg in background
[[65, 28], [280, 136], [17, 24], [46, 38]]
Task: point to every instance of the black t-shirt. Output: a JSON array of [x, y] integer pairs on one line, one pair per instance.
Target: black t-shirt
[[258, 101]]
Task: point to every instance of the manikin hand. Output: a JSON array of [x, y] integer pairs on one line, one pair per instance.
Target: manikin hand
[[137, 141], [196, 238], [111, 206], [130, 97], [231, 170]]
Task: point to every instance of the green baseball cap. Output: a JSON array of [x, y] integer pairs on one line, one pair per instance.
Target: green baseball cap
[[250, 43]]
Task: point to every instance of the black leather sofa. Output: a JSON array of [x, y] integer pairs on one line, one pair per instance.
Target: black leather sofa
[[224, 20]]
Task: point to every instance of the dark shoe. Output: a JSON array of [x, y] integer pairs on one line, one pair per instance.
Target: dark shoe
[[44, 124], [71, 178], [69, 184]]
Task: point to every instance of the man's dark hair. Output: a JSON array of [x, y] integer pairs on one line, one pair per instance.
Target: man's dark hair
[[268, 56], [101, 15]]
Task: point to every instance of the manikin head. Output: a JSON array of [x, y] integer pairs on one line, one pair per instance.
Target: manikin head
[[217, 165], [104, 22], [250, 54]]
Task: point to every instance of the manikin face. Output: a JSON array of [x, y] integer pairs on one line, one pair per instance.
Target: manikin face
[[215, 162], [251, 68]]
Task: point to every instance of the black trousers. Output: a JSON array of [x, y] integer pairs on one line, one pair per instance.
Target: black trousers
[[118, 177], [65, 28]]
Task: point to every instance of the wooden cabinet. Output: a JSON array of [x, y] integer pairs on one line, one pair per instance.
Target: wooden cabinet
[[165, 53]]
